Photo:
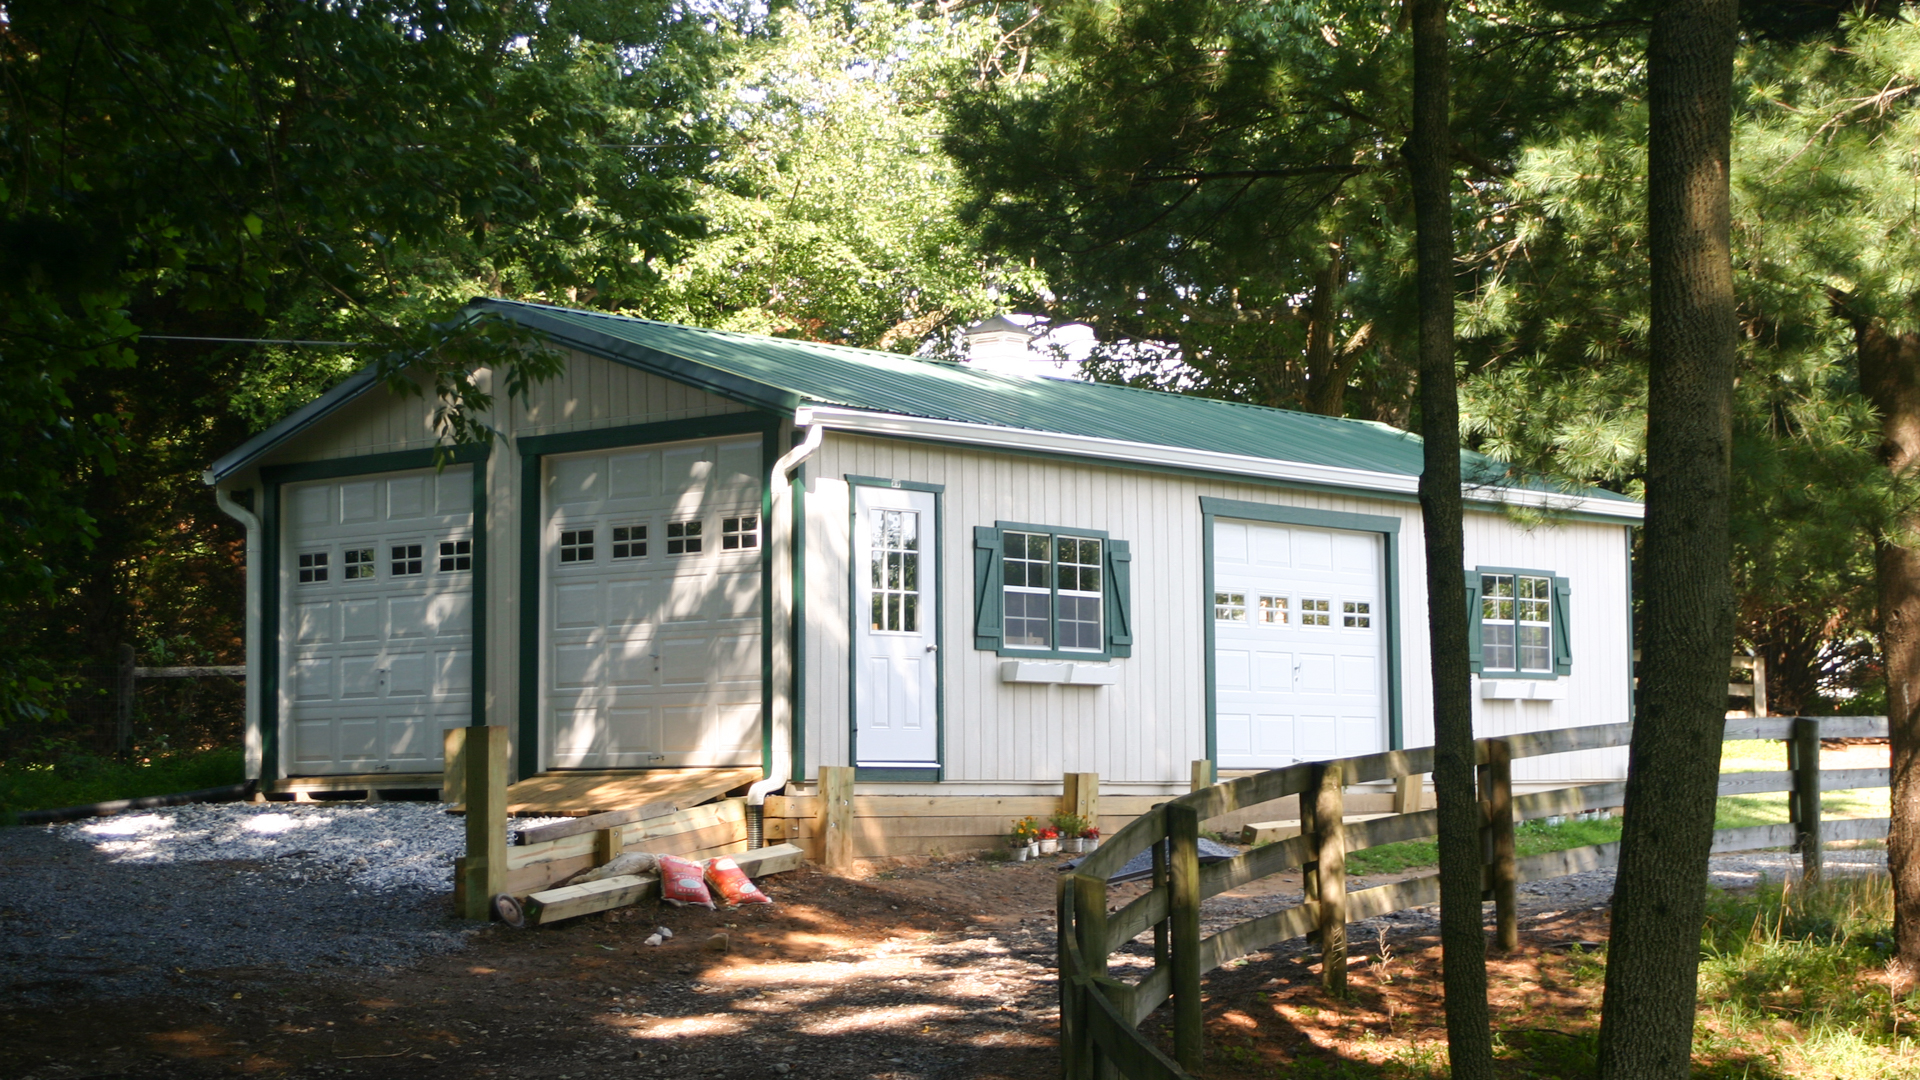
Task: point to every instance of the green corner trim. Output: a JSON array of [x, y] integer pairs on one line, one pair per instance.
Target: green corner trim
[[273, 478], [1389, 530], [935, 772]]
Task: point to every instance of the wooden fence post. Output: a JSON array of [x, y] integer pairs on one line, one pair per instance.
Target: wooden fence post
[[1183, 903], [1803, 757], [453, 784], [123, 700], [485, 869], [834, 820], [1502, 873], [1072, 1026], [1162, 928], [1330, 852], [1090, 930], [1080, 794], [1200, 775], [1407, 793]]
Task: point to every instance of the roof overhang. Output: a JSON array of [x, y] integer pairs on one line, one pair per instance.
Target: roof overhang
[[860, 421], [299, 420]]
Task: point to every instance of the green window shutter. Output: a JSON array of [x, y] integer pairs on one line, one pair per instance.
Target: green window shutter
[[988, 597], [1119, 598], [1562, 628], [1474, 641]]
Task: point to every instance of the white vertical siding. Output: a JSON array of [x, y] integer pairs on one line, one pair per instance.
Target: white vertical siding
[[1145, 729]]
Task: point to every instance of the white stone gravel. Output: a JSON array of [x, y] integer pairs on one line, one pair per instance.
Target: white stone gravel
[[170, 899]]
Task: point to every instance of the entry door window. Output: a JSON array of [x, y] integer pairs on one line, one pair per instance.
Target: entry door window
[[895, 566]]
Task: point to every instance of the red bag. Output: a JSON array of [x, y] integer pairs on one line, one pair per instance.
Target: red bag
[[733, 884], [680, 883]]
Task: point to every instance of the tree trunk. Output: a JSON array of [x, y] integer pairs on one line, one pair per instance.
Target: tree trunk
[[1659, 899], [1890, 374], [1326, 375], [1462, 934]]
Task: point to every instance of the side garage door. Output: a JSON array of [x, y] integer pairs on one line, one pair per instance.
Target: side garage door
[[652, 606], [376, 586], [1299, 633]]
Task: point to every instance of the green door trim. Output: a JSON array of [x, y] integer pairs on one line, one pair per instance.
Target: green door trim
[[275, 477], [1387, 527], [895, 774]]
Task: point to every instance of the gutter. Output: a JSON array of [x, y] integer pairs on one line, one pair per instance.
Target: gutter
[[254, 738], [781, 477], [1134, 453]]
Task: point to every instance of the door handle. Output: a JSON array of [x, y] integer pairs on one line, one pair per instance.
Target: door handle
[[933, 648]]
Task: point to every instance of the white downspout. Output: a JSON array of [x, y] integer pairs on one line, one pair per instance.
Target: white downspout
[[782, 524], [255, 751]]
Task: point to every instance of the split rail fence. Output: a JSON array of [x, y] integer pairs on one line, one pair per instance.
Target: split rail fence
[[1099, 1014]]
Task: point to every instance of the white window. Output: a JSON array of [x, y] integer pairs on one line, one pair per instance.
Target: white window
[[408, 560], [313, 567], [629, 541], [1052, 587], [1315, 612], [1516, 623], [456, 555], [576, 545], [1230, 607], [1356, 614], [356, 564], [737, 533], [895, 571], [683, 538], [1273, 611]]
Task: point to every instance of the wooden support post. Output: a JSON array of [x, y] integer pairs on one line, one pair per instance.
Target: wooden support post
[[1330, 852], [453, 785], [1164, 926], [1310, 867], [1200, 775], [1760, 685], [833, 823], [1080, 794], [486, 865], [607, 845], [1803, 758], [1407, 791], [123, 701], [1090, 928], [1073, 1040], [1183, 904], [1502, 872]]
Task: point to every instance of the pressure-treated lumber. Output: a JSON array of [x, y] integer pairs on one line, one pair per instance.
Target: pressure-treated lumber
[[835, 819], [557, 830], [1803, 759], [1080, 795], [1330, 866], [1498, 793], [569, 901], [1183, 886], [453, 785], [486, 862]]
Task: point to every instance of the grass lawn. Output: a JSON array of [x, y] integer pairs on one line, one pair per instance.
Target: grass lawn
[[77, 780]]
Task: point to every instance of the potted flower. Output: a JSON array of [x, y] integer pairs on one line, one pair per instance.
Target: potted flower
[[1090, 837], [1070, 826], [1025, 838], [1049, 840]]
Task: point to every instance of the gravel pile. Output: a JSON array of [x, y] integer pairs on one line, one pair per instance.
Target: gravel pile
[[155, 900]]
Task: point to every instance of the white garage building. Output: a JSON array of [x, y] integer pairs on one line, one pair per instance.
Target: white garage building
[[697, 549]]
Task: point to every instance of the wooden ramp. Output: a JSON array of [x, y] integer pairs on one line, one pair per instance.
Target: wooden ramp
[[591, 792]]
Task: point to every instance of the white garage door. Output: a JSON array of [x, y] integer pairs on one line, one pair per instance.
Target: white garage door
[[1299, 632], [653, 563], [376, 588]]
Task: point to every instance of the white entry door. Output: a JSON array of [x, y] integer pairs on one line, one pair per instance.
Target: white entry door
[[376, 626], [1299, 644], [896, 609], [653, 643]]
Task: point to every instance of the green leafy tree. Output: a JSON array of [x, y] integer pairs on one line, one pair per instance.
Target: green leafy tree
[[348, 172]]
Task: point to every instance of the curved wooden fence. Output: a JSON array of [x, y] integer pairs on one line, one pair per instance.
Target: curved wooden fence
[[1099, 1014]]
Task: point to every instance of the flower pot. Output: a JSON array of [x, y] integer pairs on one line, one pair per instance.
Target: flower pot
[[1033, 850], [1048, 847], [1076, 845], [1020, 853], [1090, 843]]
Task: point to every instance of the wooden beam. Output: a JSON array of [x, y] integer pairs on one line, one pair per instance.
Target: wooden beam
[[486, 865], [835, 824], [1803, 760], [1499, 796], [453, 786], [1183, 885], [1080, 794], [552, 905], [540, 834], [1330, 859]]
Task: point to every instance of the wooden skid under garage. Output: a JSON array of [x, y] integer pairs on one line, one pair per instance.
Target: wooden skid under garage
[[919, 824], [595, 792]]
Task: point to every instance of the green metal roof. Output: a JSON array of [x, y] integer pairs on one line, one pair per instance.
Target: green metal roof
[[781, 372]]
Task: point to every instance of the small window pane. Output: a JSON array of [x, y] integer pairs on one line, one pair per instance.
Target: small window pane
[[1027, 618], [1315, 612], [683, 538], [1273, 610], [740, 533], [313, 567], [456, 555], [1356, 614], [576, 546], [894, 538], [408, 560], [356, 564], [629, 541], [1230, 607]]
